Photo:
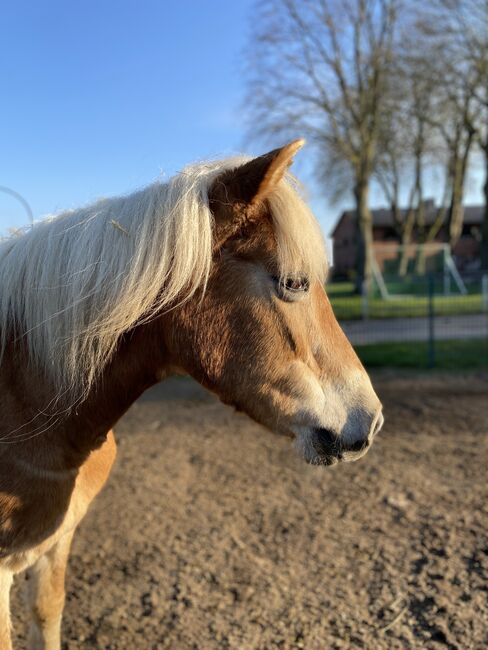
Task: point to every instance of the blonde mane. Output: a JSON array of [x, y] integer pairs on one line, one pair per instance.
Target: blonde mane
[[75, 283]]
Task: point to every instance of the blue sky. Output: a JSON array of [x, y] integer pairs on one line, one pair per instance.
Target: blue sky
[[100, 98]]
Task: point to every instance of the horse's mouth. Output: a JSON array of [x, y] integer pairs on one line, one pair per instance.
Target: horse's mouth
[[327, 460], [321, 447], [324, 461]]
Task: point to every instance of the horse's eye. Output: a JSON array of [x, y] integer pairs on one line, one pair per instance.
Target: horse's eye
[[295, 284], [291, 288]]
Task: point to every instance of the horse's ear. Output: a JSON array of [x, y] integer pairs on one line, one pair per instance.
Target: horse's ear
[[257, 178], [253, 181], [248, 184]]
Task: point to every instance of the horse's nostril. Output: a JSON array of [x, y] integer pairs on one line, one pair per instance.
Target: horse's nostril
[[359, 445], [328, 443], [327, 440]]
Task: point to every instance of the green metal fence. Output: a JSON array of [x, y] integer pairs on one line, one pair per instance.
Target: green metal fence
[[424, 321]]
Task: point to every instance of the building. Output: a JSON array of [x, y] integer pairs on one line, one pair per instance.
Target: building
[[466, 253]]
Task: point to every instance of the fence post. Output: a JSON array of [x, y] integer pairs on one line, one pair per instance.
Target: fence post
[[431, 316]]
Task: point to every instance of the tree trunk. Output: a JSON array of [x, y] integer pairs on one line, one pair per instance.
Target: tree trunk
[[432, 233], [405, 241], [456, 219], [364, 230], [414, 215], [456, 210]]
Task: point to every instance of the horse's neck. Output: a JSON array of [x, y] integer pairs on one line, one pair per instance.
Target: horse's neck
[[140, 362], [37, 423], [45, 452]]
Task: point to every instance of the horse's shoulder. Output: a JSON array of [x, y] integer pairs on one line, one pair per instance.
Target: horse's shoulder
[[95, 470]]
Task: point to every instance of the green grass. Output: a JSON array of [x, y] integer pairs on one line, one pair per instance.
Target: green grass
[[449, 355], [347, 305], [340, 289]]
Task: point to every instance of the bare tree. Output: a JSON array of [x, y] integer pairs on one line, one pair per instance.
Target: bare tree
[[470, 19], [435, 115], [455, 38], [321, 68], [404, 146]]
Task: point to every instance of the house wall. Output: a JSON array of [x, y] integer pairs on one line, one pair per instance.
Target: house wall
[[345, 246], [466, 253]]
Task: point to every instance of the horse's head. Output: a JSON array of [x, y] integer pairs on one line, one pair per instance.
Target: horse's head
[[263, 335]]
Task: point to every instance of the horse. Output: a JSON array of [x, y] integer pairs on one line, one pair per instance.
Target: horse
[[219, 274]]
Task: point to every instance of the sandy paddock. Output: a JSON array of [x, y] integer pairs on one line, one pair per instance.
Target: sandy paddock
[[212, 533]]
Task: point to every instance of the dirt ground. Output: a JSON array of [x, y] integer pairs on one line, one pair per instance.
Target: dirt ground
[[212, 533]]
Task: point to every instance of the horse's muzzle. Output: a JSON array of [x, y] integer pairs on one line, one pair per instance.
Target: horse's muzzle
[[332, 448]]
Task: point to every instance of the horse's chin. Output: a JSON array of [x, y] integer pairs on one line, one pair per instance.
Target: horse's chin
[[329, 460], [323, 461], [305, 442]]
